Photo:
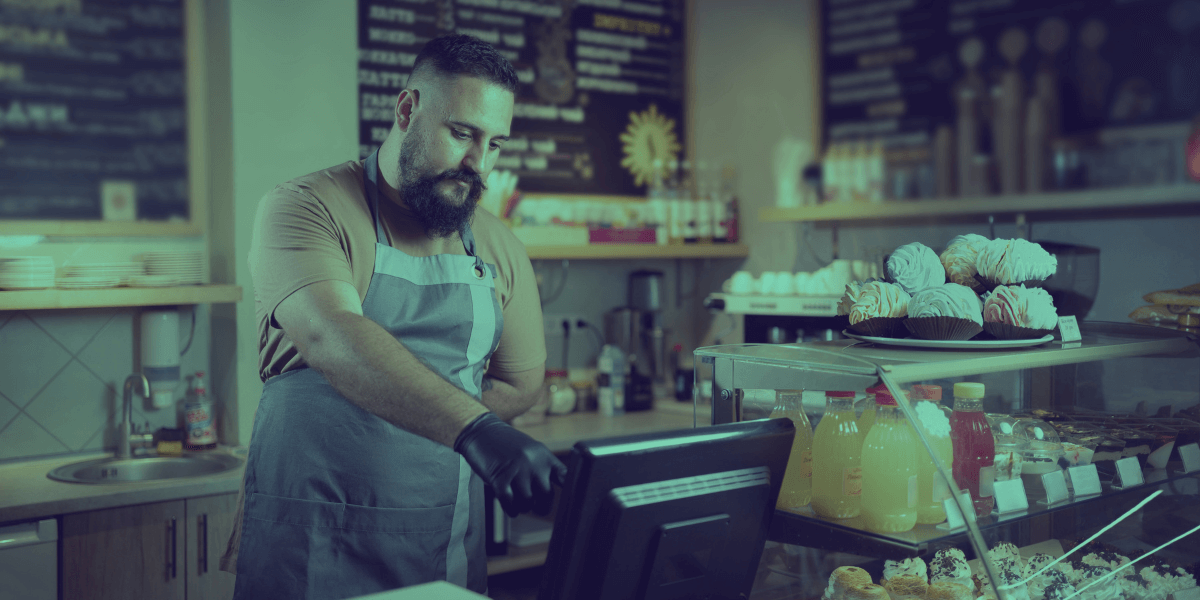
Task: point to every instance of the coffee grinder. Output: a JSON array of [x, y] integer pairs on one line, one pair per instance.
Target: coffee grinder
[[637, 329]]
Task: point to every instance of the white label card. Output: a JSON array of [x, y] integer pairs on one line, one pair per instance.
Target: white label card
[[941, 490], [1056, 487], [1129, 472], [954, 517], [987, 478], [1068, 329], [1192, 593], [1191, 458], [1010, 496], [1085, 480]]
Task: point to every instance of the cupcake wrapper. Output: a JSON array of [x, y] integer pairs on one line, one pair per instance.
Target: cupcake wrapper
[[1004, 331], [986, 285], [943, 328], [889, 327]]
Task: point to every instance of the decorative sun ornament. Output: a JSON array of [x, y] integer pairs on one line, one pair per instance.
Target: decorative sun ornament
[[650, 136]]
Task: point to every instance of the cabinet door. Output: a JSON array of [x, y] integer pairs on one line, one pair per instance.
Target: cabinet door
[[209, 523], [123, 553]]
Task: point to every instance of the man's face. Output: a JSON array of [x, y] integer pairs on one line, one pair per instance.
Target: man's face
[[450, 147]]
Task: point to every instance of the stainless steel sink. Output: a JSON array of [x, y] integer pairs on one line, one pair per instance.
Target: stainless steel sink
[[117, 470]]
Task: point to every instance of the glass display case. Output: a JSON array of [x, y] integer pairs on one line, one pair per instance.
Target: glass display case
[[1080, 449]]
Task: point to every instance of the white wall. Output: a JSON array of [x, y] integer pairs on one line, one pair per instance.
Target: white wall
[[293, 75]]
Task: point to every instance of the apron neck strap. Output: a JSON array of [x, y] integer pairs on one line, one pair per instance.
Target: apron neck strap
[[371, 189]]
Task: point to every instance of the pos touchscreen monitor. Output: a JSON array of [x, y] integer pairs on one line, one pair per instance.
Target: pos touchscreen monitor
[[667, 516]]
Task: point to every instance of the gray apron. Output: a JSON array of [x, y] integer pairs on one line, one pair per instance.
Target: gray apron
[[341, 503]]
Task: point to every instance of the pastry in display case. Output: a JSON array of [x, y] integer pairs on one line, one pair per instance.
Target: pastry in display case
[[1041, 477]]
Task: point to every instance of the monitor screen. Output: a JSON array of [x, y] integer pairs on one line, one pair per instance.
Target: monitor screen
[[666, 516]]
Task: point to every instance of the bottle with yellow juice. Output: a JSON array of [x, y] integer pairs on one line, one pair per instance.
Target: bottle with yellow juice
[[932, 489], [889, 470], [797, 480], [837, 459], [867, 418]]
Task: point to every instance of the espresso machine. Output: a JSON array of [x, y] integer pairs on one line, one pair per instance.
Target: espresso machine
[[637, 330]]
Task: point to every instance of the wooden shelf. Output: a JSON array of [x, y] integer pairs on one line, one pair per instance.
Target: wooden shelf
[[1089, 200], [101, 228], [646, 251], [122, 296]]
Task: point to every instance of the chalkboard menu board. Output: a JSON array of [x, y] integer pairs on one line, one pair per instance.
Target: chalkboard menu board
[[892, 68], [92, 110], [602, 82]]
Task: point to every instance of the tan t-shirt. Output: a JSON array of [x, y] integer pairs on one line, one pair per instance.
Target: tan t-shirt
[[318, 227]]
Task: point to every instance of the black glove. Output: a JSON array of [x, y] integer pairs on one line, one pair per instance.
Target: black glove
[[519, 468]]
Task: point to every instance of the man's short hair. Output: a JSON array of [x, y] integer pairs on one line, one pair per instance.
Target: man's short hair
[[452, 55]]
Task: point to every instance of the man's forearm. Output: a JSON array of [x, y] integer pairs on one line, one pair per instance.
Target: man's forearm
[[506, 400], [368, 366]]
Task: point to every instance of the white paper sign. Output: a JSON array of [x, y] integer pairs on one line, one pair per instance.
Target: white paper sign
[[987, 477], [941, 491], [1191, 458], [1010, 496], [1056, 487], [1192, 593], [1085, 480], [1129, 473], [954, 517], [1068, 329]]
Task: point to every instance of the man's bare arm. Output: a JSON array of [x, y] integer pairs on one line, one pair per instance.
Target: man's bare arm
[[511, 394], [368, 366]]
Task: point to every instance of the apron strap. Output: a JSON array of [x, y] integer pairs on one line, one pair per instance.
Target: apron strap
[[371, 189]]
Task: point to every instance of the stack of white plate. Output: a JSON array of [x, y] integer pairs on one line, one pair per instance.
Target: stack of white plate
[[187, 267], [122, 271], [87, 282], [26, 273]]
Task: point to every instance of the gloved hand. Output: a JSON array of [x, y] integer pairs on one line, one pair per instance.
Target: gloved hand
[[519, 468]]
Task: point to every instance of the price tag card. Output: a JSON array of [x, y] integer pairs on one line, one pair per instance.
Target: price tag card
[[1010, 496], [1192, 593], [1191, 458], [1068, 329], [1129, 473], [1055, 485], [1085, 480], [954, 516], [987, 477]]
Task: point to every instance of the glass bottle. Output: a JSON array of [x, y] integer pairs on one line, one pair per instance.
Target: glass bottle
[[934, 420], [837, 460], [974, 447], [867, 418], [889, 470], [797, 480]]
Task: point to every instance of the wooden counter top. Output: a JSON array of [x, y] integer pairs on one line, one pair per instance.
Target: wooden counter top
[[26, 493]]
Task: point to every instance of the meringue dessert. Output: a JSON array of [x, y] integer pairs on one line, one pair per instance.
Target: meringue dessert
[[915, 267], [958, 259]]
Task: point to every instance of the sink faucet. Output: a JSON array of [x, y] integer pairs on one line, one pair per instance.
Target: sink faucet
[[127, 413]]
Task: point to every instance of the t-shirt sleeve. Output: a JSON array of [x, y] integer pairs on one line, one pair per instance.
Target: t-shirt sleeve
[[522, 342], [295, 243]]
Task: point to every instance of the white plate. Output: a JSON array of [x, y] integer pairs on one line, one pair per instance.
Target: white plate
[[949, 344]]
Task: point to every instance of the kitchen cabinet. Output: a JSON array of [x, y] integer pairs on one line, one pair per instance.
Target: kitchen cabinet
[[1113, 409], [163, 550]]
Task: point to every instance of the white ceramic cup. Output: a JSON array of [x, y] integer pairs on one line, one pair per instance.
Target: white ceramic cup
[[742, 283]]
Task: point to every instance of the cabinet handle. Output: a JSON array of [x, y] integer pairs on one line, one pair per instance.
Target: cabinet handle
[[171, 554], [202, 524]]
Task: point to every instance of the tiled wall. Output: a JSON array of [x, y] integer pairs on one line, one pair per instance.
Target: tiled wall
[[62, 372]]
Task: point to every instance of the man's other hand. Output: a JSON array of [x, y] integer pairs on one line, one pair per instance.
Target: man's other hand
[[520, 469]]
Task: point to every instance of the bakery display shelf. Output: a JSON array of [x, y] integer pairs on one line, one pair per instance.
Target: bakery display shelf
[[846, 364], [1087, 200], [120, 296], [636, 251], [803, 527]]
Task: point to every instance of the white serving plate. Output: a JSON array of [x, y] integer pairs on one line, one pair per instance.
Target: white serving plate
[[949, 344]]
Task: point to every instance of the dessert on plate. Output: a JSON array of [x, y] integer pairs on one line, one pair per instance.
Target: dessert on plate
[[1016, 312], [876, 308], [1013, 262], [946, 312], [959, 259], [915, 267]]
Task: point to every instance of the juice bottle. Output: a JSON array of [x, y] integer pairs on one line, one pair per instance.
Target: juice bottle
[[935, 422], [867, 418], [974, 447], [837, 459], [889, 470], [797, 480]]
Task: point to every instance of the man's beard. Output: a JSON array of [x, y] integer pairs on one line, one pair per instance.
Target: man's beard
[[438, 215]]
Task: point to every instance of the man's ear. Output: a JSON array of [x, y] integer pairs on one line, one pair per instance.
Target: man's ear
[[406, 105]]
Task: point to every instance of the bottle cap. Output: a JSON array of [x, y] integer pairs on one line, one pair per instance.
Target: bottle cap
[[927, 392], [884, 398], [968, 390], [839, 394]]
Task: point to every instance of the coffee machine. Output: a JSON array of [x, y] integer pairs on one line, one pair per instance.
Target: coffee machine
[[637, 330]]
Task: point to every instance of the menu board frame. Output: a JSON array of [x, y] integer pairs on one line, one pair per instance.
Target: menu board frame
[[195, 91]]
